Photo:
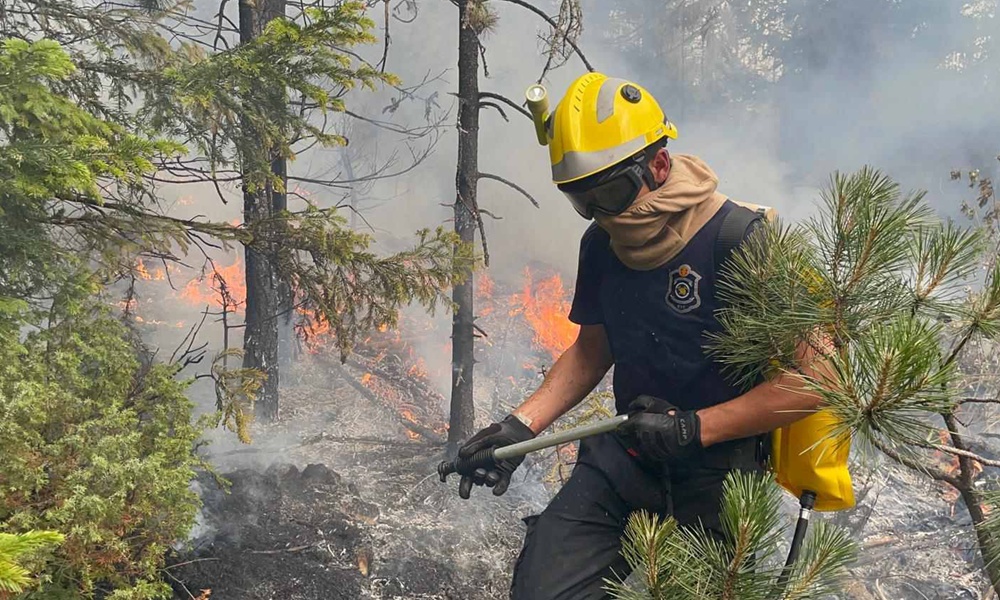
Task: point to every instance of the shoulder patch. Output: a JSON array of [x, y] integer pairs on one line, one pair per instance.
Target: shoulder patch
[[682, 291]]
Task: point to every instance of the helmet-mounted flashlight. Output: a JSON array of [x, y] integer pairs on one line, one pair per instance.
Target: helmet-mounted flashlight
[[538, 105]]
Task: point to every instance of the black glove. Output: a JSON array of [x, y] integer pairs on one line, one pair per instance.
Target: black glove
[[509, 431], [662, 431]]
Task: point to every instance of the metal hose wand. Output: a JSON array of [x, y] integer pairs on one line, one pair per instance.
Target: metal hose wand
[[487, 458]]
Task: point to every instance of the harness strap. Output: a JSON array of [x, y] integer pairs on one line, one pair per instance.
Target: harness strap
[[738, 223], [736, 226]]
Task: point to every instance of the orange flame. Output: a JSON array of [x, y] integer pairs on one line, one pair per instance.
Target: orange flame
[[546, 307], [140, 270], [419, 369], [200, 292]]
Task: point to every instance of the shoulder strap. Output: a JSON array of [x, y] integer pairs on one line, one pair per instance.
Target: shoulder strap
[[734, 228]]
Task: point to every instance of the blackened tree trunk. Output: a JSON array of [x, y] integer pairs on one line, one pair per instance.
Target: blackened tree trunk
[[266, 296], [462, 355]]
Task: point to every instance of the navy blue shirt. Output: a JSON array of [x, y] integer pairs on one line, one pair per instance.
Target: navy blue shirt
[[656, 320]]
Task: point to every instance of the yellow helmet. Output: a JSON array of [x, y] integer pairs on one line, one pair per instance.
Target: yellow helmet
[[600, 122]]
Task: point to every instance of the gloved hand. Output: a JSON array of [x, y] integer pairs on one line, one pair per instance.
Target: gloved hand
[[662, 431], [509, 431]]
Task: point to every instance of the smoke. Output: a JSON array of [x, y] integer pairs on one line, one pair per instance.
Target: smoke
[[905, 87]]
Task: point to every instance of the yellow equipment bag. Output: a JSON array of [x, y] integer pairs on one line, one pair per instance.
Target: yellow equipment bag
[[805, 456]]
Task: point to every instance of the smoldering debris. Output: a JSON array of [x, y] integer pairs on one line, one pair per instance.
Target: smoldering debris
[[340, 497], [306, 534]]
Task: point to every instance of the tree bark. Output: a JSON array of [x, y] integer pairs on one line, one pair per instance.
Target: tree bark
[[266, 295], [987, 546], [462, 416]]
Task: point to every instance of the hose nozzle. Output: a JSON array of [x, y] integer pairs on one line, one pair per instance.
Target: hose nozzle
[[538, 105]]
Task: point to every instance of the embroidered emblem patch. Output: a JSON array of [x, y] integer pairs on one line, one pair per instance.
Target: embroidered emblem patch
[[682, 294]]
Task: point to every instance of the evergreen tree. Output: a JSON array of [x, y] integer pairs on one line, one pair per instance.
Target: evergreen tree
[[690, 563], [900, 295], [97, 436], [232, 129], [15, 549]]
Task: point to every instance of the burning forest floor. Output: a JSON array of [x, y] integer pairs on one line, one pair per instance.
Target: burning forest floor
[[336, 501], [339, 499]]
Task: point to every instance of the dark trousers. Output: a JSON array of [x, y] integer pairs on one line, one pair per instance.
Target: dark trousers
[[575, 543]]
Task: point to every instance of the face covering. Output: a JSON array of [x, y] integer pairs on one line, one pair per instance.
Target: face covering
[[658, 225]]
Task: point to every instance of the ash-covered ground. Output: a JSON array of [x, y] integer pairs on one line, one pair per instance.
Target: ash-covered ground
[[335, 501]]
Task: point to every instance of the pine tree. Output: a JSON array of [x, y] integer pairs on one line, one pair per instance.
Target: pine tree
[[690, 563], [900, 295]]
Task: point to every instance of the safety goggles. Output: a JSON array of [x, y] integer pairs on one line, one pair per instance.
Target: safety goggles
[[611, 192]]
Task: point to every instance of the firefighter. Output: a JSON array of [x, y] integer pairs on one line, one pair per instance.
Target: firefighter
[[644, 299]]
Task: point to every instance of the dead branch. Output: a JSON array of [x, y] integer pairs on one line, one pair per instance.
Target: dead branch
[[283, 550], [417, 428], [552, 23], [507, 101], [510, 184], [496, 107], [474, 211], [931, 471], [963, 453], [979, 401]]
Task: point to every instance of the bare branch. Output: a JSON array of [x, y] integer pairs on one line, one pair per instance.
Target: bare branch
[[554, 26], [475, 212], [963, 453], [388, 39], [507, 101], [511, 184], [498, 109], [979, 401], [931, 471]]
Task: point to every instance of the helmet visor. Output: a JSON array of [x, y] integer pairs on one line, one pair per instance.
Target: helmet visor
[[611, 196]]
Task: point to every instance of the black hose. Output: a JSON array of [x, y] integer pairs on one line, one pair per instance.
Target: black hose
[[807, 501]]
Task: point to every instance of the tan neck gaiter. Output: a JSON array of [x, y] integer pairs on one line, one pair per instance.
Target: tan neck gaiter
[[659, 224]]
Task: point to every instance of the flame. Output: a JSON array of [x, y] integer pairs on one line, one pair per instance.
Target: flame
[[484, 287], [315, 330], [409, 414], [140, 270], [419, 369], [366, 378], [200, 292], [545, 306]]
